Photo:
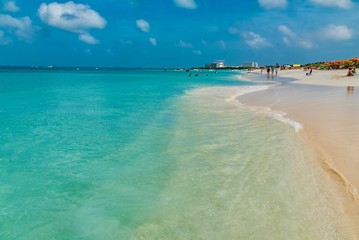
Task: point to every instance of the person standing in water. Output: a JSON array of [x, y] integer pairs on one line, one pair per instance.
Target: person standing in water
[[276, 70], [268, 71]]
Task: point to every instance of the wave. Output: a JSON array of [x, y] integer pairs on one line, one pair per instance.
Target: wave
[[231, 94]]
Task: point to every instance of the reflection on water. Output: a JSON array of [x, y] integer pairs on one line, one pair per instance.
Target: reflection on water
[[350, 89]]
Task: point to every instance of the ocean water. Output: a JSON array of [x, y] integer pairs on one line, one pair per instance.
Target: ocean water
[[150, 154]]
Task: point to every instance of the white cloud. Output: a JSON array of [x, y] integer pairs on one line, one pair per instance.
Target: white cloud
[[204, 42], [189, 4], [307, 44], [271, 4], [255, 40], [286, 31], [346, 4], [10, 6], [21, 27], [153, 41], [287, 41], [290, 38], [72, 17], [143, 25], [4, 40], [289, 35], [87, 38], [183, 44], [337, 32], [197, 52]]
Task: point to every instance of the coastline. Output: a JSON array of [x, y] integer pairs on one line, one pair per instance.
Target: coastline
[[325, 104]]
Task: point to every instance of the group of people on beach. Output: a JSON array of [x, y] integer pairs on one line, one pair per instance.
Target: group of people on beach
[[271, 70]]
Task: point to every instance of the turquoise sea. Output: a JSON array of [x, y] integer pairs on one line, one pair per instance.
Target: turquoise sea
[[153, 154]]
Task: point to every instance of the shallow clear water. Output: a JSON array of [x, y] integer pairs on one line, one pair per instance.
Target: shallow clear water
[[152, 155]]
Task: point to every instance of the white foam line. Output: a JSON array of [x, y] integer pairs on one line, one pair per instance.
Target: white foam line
[[280, 116], [245, 90], [239, 91]]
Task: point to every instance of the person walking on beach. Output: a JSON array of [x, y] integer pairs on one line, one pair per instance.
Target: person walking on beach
[[268, 71], [272, 71]]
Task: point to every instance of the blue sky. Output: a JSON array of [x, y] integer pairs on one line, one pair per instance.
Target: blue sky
[[174, 33]]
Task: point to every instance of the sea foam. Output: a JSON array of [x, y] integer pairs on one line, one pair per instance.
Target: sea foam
[[278, 115], [231, 94]]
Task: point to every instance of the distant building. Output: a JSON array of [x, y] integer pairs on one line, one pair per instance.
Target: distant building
[[216, 64], [250, 64]]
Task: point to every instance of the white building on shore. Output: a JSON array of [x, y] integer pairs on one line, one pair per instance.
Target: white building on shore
[[250, 64], [216, 64]]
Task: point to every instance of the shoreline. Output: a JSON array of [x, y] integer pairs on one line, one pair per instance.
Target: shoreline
[[325, 105]]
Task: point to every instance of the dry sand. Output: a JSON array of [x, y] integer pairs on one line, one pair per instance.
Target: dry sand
[[327, 105], [335, 78]]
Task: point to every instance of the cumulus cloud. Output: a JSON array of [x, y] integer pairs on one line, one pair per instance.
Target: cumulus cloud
[[153, 41], [189, 4], [287, 41], [345, 4], [286, 31], [290, 38], [255, 40], [337, 32], [10, 6], [87, 38], [271, 4], [72, 17], [21, 27], [143, 25], [307, 44], [183, 44]]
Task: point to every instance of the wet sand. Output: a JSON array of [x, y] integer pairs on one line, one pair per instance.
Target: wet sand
[[327, 105]]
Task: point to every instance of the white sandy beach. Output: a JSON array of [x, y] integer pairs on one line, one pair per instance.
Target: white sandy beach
[[326, 104], [335, 78]]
